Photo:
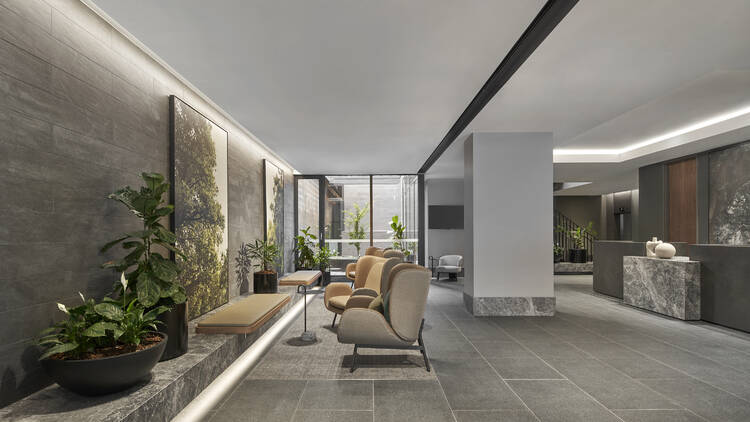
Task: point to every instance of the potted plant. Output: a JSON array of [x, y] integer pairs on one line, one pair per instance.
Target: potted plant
[[323, 260], [103, 347], [244, 266], [557, 253], [579, 254], [399, 231], [353, 219], [266, 254], [152, 276], [304, 250]]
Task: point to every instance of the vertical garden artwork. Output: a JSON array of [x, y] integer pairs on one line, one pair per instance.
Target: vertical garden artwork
[[273, 191], [200, 197]]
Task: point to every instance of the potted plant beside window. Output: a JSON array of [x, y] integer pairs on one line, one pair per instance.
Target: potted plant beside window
[[104, 347], [399, 233], [152, 276], [580, 254], [323, 259], [354, 220], [265, 254], [305, 250]]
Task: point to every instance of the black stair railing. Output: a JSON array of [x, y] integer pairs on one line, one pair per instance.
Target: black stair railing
[[562, 228]]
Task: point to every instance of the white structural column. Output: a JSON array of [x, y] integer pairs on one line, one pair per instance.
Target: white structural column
[[508, 224]]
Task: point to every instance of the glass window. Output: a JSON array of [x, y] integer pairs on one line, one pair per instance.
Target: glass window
[[347, 218], [396, 197]]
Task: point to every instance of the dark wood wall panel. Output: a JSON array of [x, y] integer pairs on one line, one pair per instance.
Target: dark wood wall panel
[[682, 201]]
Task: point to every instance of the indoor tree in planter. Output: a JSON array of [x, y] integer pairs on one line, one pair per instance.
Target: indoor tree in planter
[[579, 254], [103, 347], [354, 220], [399, 233], [152, 276], [305, 250], [266, 255]]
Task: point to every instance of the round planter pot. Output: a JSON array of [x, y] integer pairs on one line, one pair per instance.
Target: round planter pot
[[265, 282], [577, 256], [326, 278], [94, 377], [175, 325]]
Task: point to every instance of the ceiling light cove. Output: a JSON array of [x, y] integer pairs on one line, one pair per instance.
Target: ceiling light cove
[[691, 133]]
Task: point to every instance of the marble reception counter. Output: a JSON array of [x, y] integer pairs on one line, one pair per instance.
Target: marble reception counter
[[668, 286]]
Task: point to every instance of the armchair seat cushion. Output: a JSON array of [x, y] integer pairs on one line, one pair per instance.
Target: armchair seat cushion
[[448, 269], [338, 302]]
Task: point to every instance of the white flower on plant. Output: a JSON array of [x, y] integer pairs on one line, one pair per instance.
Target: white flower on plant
[[123, 281], [83, 299], [62, 307]]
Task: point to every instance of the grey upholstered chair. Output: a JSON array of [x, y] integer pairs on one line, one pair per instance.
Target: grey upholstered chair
[[449, 264], [401, 323]]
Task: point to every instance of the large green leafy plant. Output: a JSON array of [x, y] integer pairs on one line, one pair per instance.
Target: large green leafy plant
[[305, 248], [354, 220], [109, 324], [151, 276], [323, 257], [579, 234], [399, 231], [266, 254]]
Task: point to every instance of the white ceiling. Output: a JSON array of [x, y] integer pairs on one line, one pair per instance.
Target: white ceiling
[[338, 86], [614, 73], [334, 86]]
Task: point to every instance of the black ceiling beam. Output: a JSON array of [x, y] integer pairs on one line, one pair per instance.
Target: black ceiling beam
[[545, 21]]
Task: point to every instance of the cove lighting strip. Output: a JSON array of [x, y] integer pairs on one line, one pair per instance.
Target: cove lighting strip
[[655, 140]]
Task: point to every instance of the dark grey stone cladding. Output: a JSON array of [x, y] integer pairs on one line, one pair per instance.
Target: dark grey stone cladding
[[725, 288], [82, 113], [729, 195]]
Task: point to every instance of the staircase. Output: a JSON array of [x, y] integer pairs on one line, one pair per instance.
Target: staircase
[[565, 240]]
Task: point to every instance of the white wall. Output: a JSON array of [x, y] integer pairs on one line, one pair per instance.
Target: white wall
[[508, 215], [444, 192]]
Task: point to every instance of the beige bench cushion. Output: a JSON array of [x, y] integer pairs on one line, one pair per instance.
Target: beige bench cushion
[[244, 316], [339, 301]]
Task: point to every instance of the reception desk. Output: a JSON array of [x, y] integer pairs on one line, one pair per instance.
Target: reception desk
[[725, 284], [667, 286], [608, 262]]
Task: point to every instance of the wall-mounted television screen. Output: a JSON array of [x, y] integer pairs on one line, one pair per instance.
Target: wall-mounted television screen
[[446, 217]]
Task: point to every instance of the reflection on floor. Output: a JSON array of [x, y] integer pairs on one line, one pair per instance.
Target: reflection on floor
[[596, 360]]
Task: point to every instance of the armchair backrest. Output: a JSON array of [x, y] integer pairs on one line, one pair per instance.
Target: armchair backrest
[[379, 273], [373, 251], [451, 260], [393, 253], [362, 270], [409, 286]]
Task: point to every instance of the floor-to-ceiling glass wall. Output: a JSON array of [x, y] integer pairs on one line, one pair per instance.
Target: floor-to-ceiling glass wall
[[358, 211]]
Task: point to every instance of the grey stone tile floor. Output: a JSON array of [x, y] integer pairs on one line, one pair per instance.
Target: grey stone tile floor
[[595, 360]]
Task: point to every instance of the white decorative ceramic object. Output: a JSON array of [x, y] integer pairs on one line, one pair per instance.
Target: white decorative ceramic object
[[665, 250], [651, 245]]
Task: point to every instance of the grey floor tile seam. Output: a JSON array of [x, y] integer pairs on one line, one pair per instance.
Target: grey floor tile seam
[[299, 400], [373, 401], [445, 396], [576, 385], [671, 367], [636, 380], [494, 370]]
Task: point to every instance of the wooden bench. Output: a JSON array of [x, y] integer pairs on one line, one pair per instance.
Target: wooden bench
[[245, 316]]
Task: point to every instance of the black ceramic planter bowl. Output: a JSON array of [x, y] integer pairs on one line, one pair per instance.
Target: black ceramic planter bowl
[[95, 377], [174, 323], [577, 256], [265, 282]]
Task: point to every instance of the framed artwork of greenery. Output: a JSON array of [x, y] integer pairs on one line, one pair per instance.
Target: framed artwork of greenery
[[200, 198], [273, 210]]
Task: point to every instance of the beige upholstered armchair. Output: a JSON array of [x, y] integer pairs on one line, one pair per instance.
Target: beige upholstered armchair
[[351, 268], [371, 275], [401, 323], [393, 253]]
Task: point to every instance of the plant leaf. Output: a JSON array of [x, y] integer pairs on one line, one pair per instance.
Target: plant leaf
[[109, 311], [152, 314], [113, 243], [60, 348], [99, 329], [148, 290]]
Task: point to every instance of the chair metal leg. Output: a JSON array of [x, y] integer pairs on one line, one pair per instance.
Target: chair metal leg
[[334, 319], [438, 276], [354, 359], [422, 348]]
